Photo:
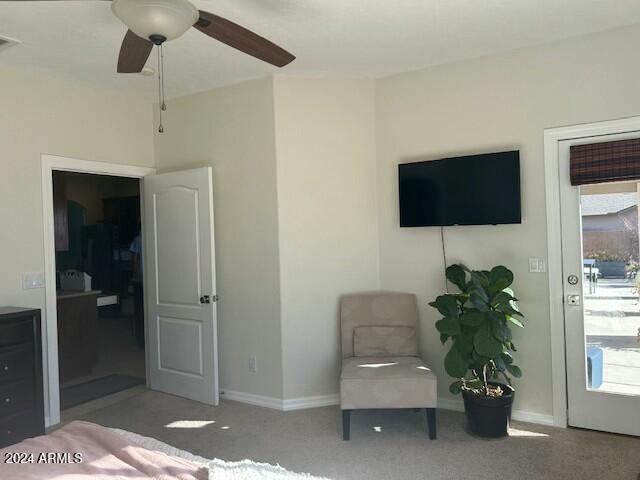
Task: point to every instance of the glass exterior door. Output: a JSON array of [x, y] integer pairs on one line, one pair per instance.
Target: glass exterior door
[[601, 260]]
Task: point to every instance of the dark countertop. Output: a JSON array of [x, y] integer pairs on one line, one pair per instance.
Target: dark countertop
[[63, 294]]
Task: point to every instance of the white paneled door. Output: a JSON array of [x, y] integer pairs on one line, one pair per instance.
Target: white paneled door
[[179, 270], [601, 281]]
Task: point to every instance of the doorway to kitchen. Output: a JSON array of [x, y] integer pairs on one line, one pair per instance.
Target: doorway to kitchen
[[99, 286], [53, 165]]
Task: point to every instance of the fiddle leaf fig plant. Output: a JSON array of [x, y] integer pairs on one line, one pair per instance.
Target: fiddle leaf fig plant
[[477, 323]]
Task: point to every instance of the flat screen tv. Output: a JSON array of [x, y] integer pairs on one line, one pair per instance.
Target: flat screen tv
[[470, 190]]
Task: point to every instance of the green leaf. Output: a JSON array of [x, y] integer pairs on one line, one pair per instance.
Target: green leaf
[[455, 364], [509, 310], [514, 370], [448, 326], [455, 274], [455, 387], [500, 330], [478, 302], [443, 338], [464, 344], [506, 357], [486, 344], [446, 305], [473, 318], [515, 321], [503, 298], [480, 278], [501, 366], [500, 278]]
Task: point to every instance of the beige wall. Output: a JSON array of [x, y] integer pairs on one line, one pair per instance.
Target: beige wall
[[327, 219], [232, 129], [496, 103], [59, 117], [44, 114]]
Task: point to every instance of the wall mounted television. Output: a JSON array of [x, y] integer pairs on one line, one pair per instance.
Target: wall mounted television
[[470, 190]]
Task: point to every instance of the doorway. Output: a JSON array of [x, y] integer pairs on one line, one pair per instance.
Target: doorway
[[99, 285], [180, 303], [51, 163], [594, 258]]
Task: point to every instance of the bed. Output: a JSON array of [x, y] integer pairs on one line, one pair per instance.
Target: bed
[[85, 450], [82, 450]]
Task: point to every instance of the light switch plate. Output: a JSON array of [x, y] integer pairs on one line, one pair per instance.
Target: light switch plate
[[537, 265], [32, 280]]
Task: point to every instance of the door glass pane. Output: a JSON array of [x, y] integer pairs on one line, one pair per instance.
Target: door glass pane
[[611, 252]]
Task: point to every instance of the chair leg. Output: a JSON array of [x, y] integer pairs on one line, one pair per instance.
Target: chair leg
[[346, 424], [431, 422]]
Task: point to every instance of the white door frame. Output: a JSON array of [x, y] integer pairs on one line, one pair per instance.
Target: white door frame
[[552, 137], [50, 317]]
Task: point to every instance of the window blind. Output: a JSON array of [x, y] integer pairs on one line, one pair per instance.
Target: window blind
[[605, 162]]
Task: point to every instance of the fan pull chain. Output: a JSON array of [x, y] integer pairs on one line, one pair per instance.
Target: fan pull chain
[[161, 102]]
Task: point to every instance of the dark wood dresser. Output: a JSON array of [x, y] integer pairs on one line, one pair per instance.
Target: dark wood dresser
[[21, 390]]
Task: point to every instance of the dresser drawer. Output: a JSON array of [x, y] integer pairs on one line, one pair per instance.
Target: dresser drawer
[[17, 427], [14, 331], [16, 396], [16, 362]]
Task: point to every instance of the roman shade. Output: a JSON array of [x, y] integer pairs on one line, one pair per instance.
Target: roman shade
[[605, 162]]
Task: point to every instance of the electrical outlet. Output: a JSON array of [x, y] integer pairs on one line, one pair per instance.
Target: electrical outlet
[[253, 365]]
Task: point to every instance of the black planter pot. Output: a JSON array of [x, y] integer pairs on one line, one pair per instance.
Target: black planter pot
[[489, 417]]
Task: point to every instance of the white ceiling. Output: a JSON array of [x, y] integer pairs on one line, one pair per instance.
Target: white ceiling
[[366, 37]]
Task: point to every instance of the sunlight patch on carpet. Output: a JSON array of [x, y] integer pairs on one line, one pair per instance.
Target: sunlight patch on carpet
[[189, 423]]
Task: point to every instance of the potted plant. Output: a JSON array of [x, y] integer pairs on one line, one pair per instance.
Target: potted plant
[[477, 325]]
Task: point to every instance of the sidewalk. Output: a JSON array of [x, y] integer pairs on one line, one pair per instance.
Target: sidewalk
[[612, 322]]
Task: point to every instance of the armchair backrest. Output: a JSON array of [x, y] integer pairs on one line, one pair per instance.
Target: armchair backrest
[[375, 310]]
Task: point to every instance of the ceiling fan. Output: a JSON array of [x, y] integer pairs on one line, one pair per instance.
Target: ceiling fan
[[154, 22]]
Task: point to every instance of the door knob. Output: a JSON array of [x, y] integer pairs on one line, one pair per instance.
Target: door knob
[[205, 299]]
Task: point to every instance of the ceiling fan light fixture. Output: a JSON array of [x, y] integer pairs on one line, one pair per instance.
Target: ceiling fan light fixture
[[158, 18]]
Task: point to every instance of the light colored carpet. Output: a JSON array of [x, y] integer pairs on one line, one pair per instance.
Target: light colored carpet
[[399, 449], [219, 469]]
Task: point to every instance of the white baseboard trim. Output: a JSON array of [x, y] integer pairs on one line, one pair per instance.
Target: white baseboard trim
[[334, 399], [518, 415], [310, 402], [280, 404], [251, 399]]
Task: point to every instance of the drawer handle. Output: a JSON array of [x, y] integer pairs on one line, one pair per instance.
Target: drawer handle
[[7, 400], [6, 368], [9, 432]]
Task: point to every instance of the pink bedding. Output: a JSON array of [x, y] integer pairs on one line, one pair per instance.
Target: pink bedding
[[83, 450]]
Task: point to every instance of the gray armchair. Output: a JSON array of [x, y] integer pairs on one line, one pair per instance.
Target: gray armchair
[[381, 367]]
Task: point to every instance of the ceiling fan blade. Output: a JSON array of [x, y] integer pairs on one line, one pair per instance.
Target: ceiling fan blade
[[242, 39], [133, 53]]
